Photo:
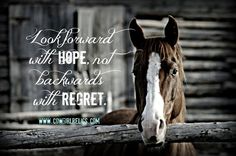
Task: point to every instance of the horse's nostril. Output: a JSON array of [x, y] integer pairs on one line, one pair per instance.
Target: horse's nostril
[[153, 139], [161, 124]]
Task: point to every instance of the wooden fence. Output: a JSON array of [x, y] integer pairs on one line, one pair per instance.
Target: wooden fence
[[197, 132], [71, 140]]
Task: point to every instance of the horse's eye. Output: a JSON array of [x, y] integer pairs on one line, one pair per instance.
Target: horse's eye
[[173, 72]]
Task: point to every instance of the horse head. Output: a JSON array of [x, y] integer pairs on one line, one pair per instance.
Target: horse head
[[158, 71]]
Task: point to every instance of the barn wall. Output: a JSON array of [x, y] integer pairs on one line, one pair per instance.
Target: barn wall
[[218, 57], [23, 20]]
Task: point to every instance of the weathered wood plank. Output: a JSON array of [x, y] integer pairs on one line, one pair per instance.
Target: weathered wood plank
[[206, 44], [4, 73], [212, 111], [195, 34], [4, 85], [231, 61], [156, 13], [4, 37], [4, 100], [207, 77], [197, 132], [205, 65], [208, 90], [210, 117], [147, 23], [210, 54], [3, 48], [3, 18], [3, 28], [210, 102], [215, 3], [3, 61]]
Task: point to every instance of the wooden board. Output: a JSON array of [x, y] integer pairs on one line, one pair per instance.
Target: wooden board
[[195, 132]]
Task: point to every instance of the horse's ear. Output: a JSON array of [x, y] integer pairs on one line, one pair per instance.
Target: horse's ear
[[171, 31], [136, 34]]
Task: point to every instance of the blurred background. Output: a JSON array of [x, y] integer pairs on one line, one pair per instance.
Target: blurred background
[[207, 36]]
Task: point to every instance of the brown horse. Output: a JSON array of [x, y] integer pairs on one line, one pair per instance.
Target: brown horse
[[159, 76]]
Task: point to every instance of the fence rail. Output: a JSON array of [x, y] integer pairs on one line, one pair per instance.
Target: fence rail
[[195, 132]]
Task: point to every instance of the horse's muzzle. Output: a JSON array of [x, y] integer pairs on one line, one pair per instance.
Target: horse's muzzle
[[153, 131]]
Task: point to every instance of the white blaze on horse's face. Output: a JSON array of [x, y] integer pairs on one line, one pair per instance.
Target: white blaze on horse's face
[[153, 122]]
